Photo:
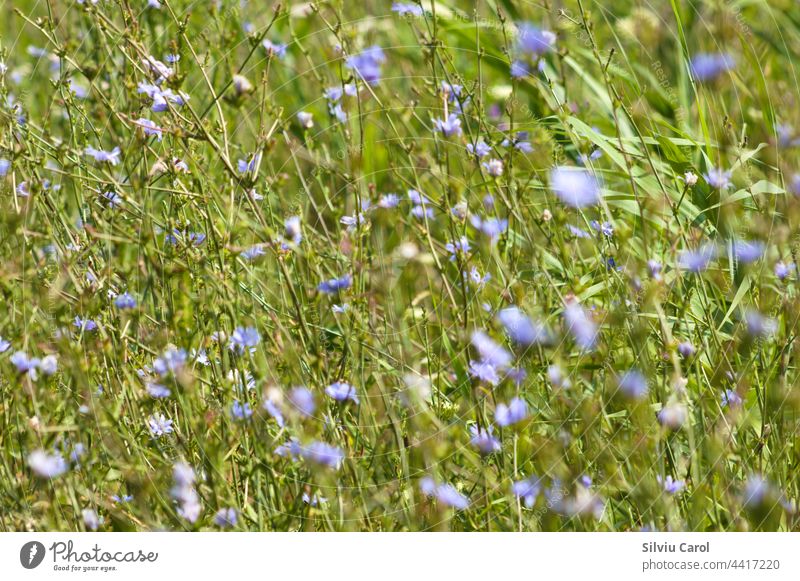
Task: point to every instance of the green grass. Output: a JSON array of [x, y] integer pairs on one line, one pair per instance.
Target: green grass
[[618, 82]]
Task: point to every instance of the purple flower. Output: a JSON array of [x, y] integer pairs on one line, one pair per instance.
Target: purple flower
[[444, 493], [534, 41], [574, 186], [125, 301], [25, 364], [697, 260], [241, 411], [84, 324], [292, 229], [275, 49], [633, 384], [730, 399], [686, 349], [226, 518], [708, 66], [756, 490], [184, 493], [513, 413], [244, 339], [491, 227], [46, 465], [669, 485], [342, 391], [655, 267], [527, 489], [403, 9], [480, 149], [367, 64], [494, 167], [302, 400], [253, 252], [522, 329], [273, 410], [323, 454], [159, 425], [490, 351], [747, 251], [520, 69], [580, 325], [171, 361], [484, 440], [458, 247], [157, 391], [782, 270], [335, 285], [758, 325], [111, 157], [5, 165], [150, 128], [448, 127], [718, 178], [4, 345]]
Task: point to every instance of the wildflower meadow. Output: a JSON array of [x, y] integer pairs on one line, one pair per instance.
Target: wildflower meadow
[[415, 266]]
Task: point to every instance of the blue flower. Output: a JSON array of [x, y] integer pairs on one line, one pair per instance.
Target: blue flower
[[697, 260], [491, 227], [342, 391], [403, 9], [111, 157], [335, 285], [226, 517], [84, 324], [782, 270], [46, 465], [444, 493], [686, 349], [292, 229], [244, 339], [241, 411], [520, 69], [273, 410], [159, 425], [480, 149], [708, 66], [448, 127], [748, 251], [171, 361], [718, 178], [253, 252], [5, 165], [275, 49], [458, 247], [730, 399], [4, 345], [633, 384], [302, 400], [522, 329], [580, 325], [575, 187], [483, 439], [125, 301], [671, 486], [513, 413], [533, 41], [367, 64], [157, 391], [150, 128], [490, 351], [323, 454], [527, 489]]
